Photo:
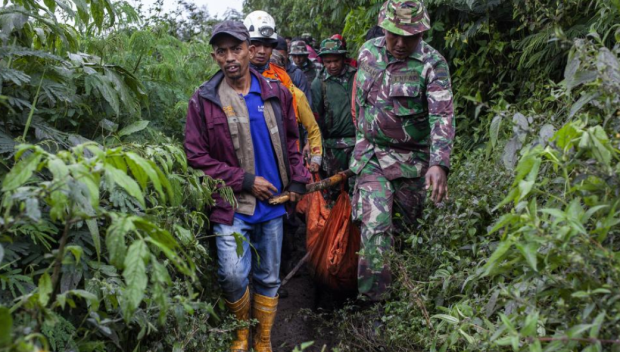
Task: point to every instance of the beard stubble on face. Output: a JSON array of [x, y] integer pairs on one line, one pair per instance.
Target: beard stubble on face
[[233, 76], [235, 69]]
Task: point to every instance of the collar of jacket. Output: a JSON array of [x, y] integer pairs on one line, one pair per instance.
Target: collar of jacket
[[306, 66], [260, 69], [209, 91], [416, 54], [290, 67]]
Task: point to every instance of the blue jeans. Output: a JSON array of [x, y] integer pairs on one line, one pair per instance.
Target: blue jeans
[[233, 270]]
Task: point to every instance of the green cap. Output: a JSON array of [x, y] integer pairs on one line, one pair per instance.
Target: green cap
[[332, 47], [404, 17]]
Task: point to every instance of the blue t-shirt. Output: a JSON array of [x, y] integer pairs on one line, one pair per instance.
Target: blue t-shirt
[[265, 163]]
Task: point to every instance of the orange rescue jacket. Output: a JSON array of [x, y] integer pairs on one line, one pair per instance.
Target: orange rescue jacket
[[278, 73]]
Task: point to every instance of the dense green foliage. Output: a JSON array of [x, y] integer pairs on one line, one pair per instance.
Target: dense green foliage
[[101, 242], [101, 220]]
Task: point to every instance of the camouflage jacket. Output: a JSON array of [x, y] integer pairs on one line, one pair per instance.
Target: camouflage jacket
[[406, 116]]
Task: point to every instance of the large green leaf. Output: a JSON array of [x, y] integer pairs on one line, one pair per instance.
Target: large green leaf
[[567, 136], [577, 330], [6, 327], [51, 5], [495, 126], [21, 172], [115, 239], [96, 11], [91, 180], [501, 249], [58, 168], [184, 266], [104, 87], [134, 127], [147, 168], [160, 273], [45, 289], [524, 188], [110, 10], [163, 236], [135, 276], [91, 298], [530, 253], [125, 182], [82, 8], [93, 228], [447, 318], [596, 325], [138, 173], [165, 183], [125, 96]]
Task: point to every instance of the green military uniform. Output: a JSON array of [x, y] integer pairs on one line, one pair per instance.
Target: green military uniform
[[331, 102], [405, 126]]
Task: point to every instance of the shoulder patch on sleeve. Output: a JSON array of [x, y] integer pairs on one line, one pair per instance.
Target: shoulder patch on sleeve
[[442, 72]]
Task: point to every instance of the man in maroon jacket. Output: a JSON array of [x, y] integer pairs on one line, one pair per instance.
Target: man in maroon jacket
[[241, 128]]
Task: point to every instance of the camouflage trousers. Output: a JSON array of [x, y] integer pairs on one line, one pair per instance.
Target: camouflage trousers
[[335, 160], [375, 202]]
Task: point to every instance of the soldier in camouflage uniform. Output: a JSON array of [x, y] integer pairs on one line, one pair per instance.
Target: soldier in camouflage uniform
[[405, 130], [331, 103], [299, 53]]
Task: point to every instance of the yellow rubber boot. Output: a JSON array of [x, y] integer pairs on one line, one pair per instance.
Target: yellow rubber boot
[[264, 310], [241, 310]]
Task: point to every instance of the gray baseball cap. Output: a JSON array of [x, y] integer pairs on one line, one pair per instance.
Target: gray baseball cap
[[235, 29]]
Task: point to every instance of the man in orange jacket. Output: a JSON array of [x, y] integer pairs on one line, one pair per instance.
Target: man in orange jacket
[[313, 149], [264, 38]]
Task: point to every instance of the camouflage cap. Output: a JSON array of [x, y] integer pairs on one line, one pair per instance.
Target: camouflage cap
[[332, 47], [298, 47], [404, 17]]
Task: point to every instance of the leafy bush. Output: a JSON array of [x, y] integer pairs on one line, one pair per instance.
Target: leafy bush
[[527, 262], [63, 275], [74, 84], [102, 243]]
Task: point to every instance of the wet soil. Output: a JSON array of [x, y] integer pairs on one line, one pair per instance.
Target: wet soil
[[294, 324]]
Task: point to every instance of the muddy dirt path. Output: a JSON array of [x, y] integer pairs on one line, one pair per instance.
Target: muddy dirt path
[[293, 325]]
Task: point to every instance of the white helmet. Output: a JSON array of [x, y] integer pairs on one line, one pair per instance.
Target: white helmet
[[261, 25]]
